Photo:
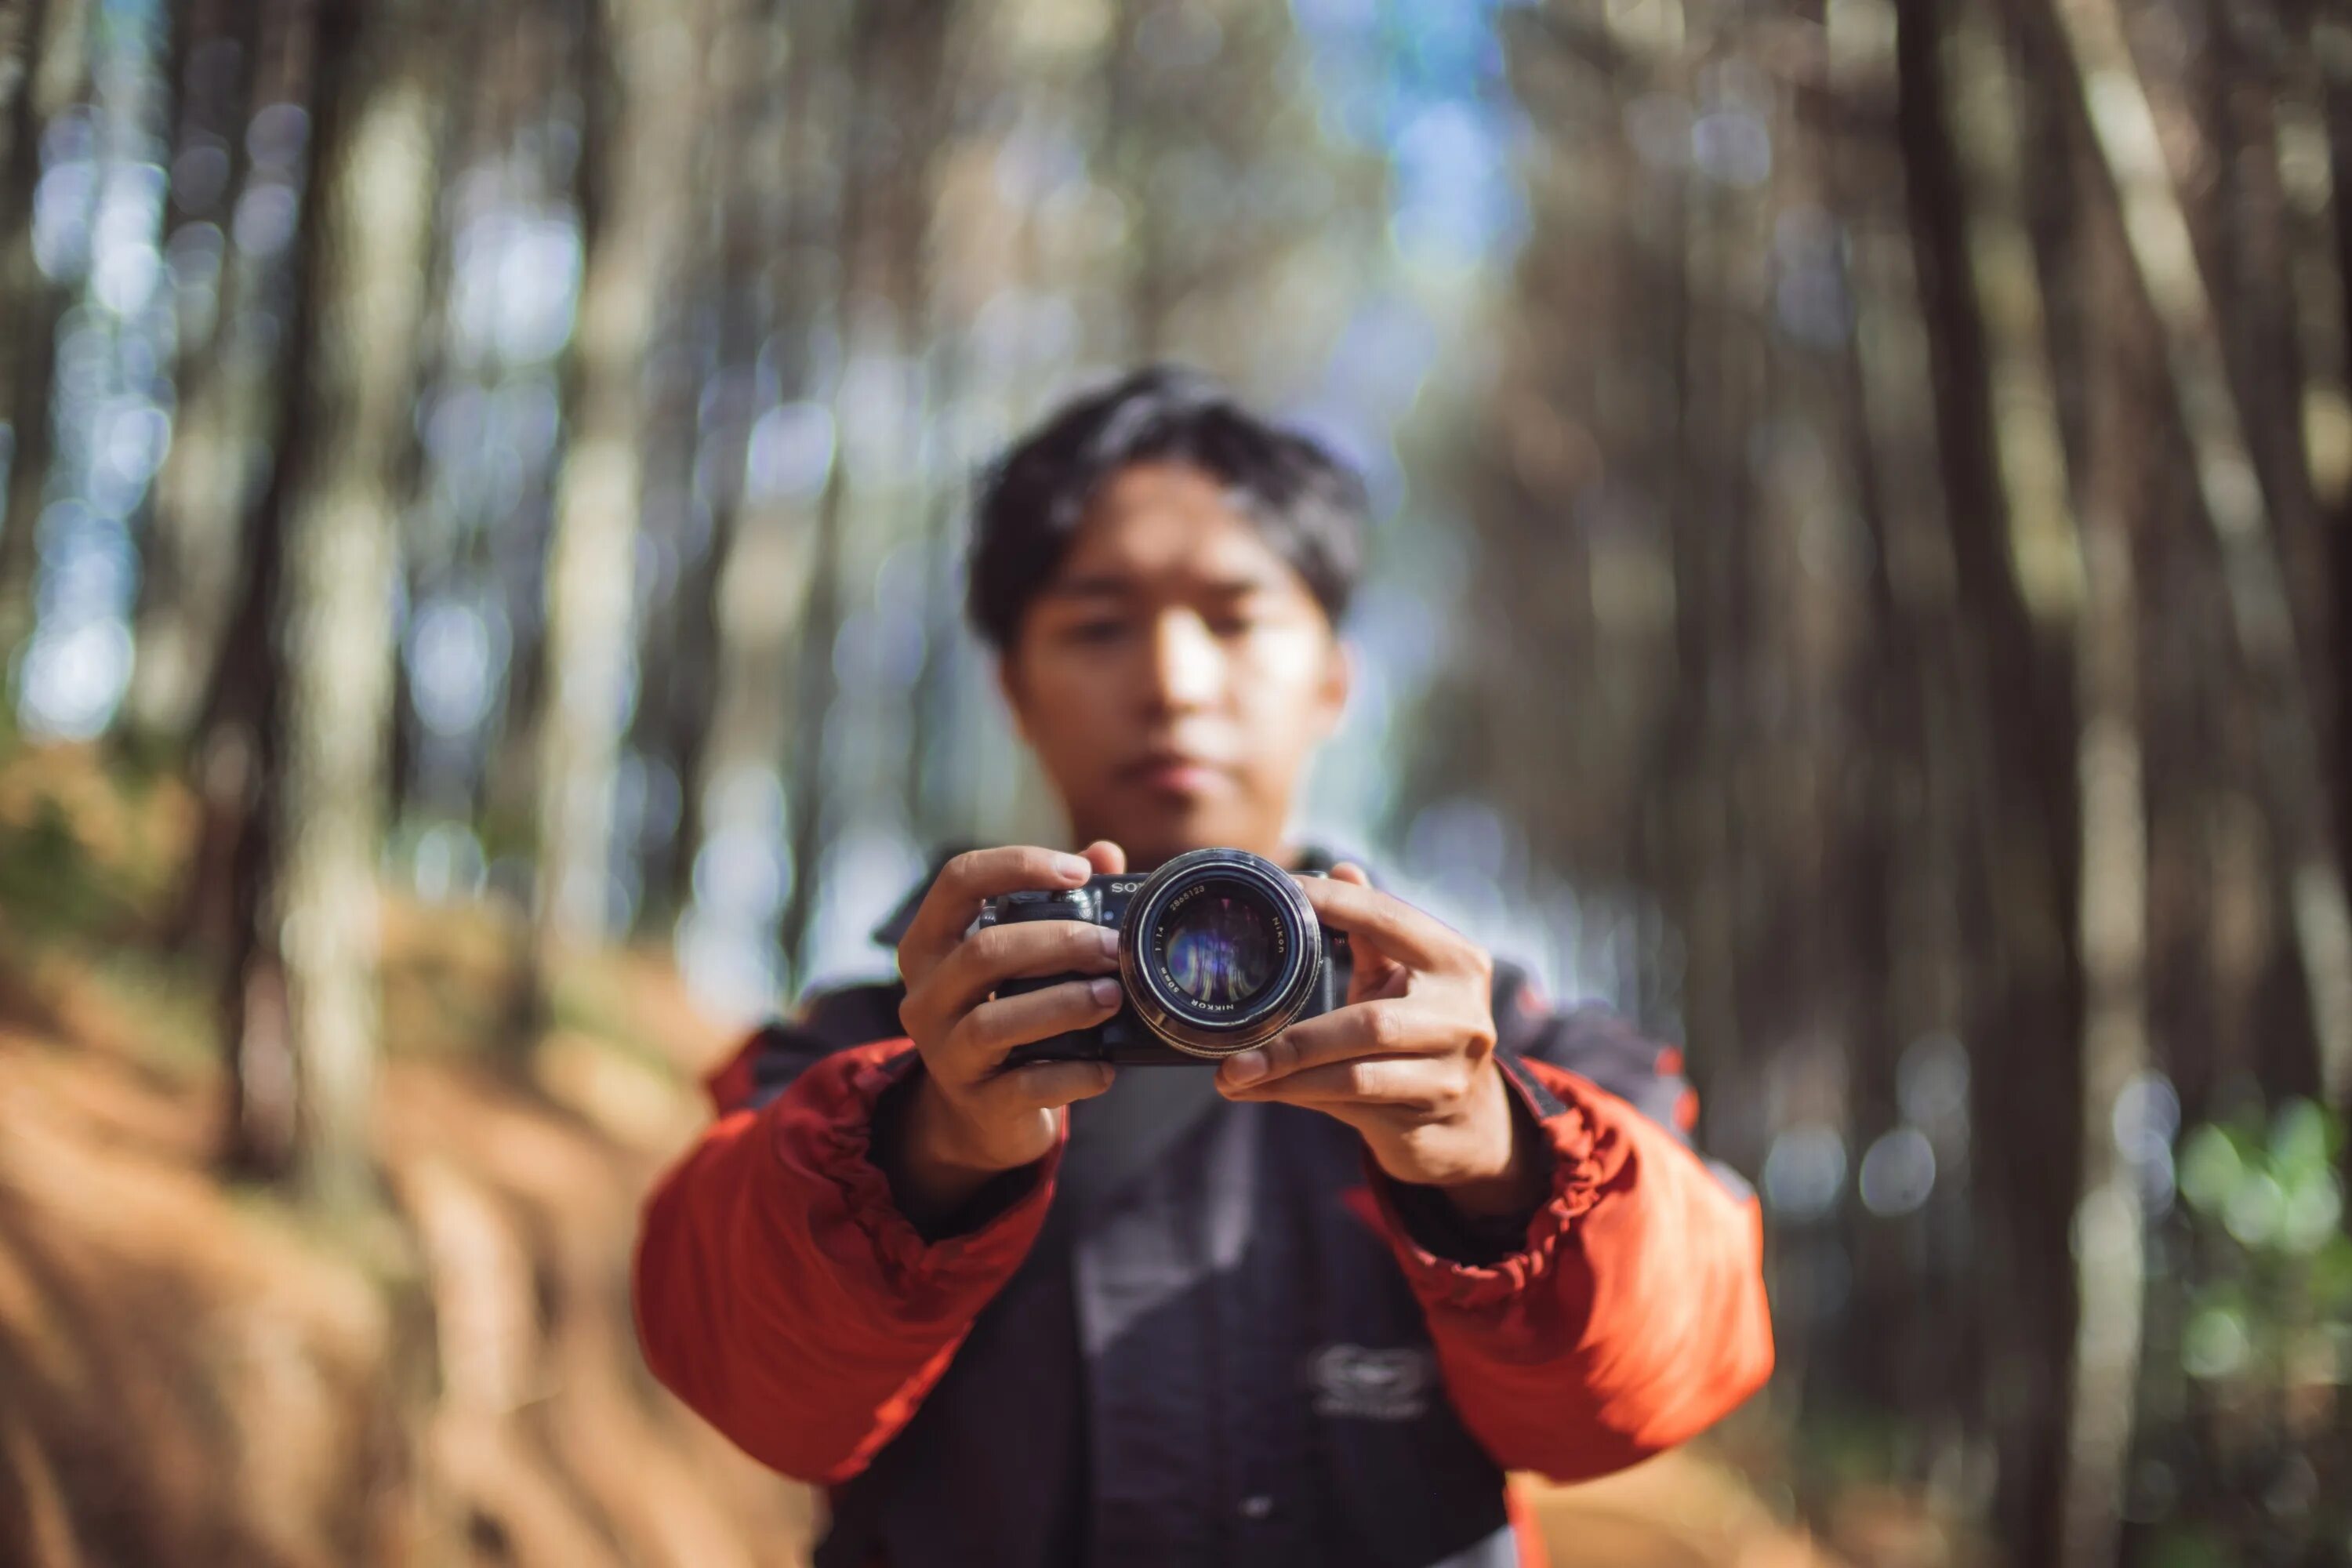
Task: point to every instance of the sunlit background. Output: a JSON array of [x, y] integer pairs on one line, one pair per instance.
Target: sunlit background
[[1861, 583]]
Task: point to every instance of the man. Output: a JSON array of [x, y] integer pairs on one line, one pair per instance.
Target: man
[[1304, 1308]]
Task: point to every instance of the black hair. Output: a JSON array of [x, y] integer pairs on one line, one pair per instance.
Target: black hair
[[1308, 504]]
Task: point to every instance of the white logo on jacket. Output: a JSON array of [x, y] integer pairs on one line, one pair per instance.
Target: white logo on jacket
[[1389, 1383]]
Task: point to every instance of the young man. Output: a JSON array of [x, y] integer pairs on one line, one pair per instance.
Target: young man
[[1304, 1308]]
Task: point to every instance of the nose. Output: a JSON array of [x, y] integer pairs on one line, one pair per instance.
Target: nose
[[1186, 663]]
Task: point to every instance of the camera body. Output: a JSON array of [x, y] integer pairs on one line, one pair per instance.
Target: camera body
[[1218, 952]]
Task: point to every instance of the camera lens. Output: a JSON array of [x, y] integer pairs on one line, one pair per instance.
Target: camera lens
[[1220, 948]]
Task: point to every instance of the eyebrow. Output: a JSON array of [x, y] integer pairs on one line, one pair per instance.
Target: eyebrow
[[1112, 585]]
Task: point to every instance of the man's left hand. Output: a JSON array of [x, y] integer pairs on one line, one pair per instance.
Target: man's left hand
[[1409, 1061]]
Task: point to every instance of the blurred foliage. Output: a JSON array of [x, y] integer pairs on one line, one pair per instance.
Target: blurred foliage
[[2258, 1358]]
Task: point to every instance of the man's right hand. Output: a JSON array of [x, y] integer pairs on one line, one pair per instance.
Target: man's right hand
[[970, 1118]]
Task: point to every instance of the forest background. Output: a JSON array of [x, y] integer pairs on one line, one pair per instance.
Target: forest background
[[1862, 583]]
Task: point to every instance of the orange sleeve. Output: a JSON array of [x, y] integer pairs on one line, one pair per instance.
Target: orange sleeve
[[1633, 1317], [780, 1292]]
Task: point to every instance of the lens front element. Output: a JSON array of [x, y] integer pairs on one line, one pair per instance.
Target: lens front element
[[1220, 948], [1219, 951]]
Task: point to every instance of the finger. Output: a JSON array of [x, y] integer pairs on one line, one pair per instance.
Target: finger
[[1413, 937], [1044, 1086], [1415, 1084], [1108, 858], [1373, 976], [1370, 971], [978, 1043], [954, 902], [989, 958], [1397, 1027]]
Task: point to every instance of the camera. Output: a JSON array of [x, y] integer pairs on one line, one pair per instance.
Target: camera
[[1218, 951]]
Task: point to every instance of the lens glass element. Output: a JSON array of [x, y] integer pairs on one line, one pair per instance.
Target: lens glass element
[[1221, 948]]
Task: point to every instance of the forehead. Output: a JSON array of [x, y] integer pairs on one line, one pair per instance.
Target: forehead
[[1168, 527]]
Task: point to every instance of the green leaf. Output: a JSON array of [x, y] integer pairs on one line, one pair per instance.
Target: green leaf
[[2331, 1277], [2299, 1138], [2215, 1344], [2314, 1208], [2210, 1169]]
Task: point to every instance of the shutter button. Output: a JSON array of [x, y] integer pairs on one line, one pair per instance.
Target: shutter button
[[1257, 1504]]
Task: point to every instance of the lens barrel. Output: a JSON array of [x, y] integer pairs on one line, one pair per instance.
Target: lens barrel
[[1219, 951]]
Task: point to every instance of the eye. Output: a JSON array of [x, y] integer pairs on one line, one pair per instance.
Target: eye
[[1234, 623], [1098, 631]]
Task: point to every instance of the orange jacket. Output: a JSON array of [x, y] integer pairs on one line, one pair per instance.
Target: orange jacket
[[782, 1294]]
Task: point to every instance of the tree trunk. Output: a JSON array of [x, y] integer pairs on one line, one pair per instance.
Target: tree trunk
[[2114, 104], [304, 996], [30, 305], [814, 686], [2021, 909], [632, 250], [20, 29], [193, 556], [2109, 1222]]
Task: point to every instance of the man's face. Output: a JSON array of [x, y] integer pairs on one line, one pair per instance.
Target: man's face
[[1176, 674]]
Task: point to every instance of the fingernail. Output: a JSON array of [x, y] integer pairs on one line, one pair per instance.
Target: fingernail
[[1244, 1067], [1109, 936], [1077, 867], [1104, 990]]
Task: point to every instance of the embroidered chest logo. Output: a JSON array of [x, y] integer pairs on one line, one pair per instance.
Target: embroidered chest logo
[[1389, 1383]]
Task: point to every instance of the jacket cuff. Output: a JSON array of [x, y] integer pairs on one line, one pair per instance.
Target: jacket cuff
[[825, 1129], [1578, 1178]]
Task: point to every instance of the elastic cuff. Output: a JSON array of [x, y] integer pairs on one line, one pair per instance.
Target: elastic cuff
[[832, 1127], [1576, 1184]]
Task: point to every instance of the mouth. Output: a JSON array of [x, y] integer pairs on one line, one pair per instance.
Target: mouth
[[1173, 772]]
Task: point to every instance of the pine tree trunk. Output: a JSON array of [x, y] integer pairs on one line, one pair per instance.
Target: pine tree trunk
[[30, 304], [304, 989], [194, 557], [2113, 102], [634, 248], [2109, 1219], [2021, 910]]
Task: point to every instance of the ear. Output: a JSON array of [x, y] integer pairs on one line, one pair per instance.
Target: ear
[[1008, 685], [1338, 681]]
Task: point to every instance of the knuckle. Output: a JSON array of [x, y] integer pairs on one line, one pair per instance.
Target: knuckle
[[962, 868], [974, 1033], [1428, 1145], [957, 1037], [1282, 1054], [1417, 1097], [1383, 1030], [989, 947], [1401, 1086], [1454, 1085]]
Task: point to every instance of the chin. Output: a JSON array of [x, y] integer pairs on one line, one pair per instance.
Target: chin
[[1171, 836]]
